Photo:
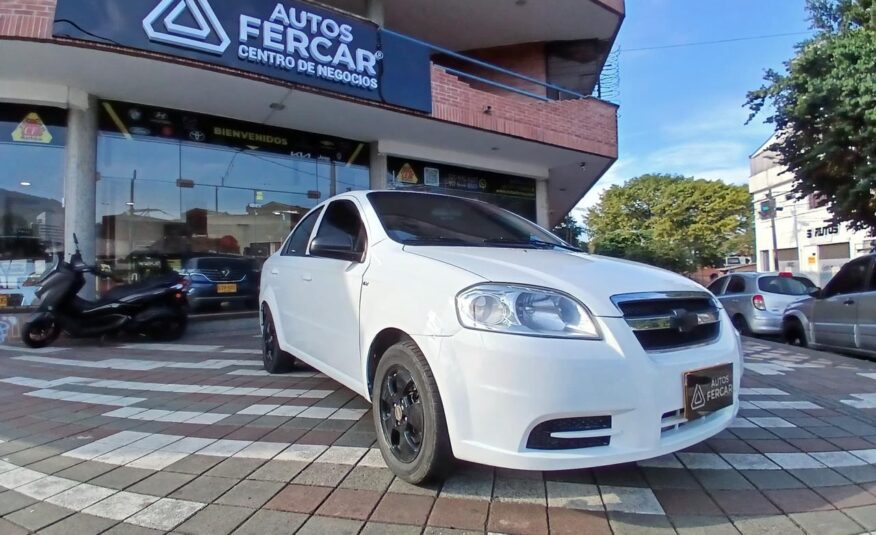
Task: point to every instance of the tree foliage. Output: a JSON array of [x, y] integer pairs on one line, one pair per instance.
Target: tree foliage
[[825, 110], [571, 230], [672, 221]]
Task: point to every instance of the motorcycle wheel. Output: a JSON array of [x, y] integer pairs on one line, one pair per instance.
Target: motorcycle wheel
[[169, 330], [40, 333]]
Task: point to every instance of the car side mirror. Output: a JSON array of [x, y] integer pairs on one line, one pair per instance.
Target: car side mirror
[[815, 292], [339, 247]]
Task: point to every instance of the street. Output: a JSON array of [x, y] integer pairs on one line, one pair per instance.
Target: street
[[195, 438]]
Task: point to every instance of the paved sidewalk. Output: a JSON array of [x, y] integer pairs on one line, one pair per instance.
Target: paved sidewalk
[[195, 438]]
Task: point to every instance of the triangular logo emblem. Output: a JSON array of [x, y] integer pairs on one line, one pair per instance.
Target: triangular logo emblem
[[32, 130], [407, 175], [699, 400], [207, 35]]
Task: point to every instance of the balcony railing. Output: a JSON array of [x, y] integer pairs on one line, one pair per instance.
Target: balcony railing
[[558, 90]]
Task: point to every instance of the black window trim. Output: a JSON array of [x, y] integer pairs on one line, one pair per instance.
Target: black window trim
[[317, 211], [723, 279]]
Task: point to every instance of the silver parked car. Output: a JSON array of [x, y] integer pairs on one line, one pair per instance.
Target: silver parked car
[[756, 301], [842, 316]]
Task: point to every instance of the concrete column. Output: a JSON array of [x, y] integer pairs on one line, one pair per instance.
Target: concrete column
[[542, 204], [379, 168], [374, 11], [80, 183]]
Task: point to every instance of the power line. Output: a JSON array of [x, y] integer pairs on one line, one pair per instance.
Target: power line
[[716, 42]]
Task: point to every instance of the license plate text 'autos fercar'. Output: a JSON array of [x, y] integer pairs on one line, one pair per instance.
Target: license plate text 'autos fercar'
[[226, 288], [707, 390]]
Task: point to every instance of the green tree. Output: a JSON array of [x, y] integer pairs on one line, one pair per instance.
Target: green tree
[[571, 230], [671, 221], [825, 110]]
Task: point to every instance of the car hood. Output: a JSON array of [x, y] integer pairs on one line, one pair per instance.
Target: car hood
[[592, 279]]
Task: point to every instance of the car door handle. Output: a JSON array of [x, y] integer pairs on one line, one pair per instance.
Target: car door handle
[[306, 277], [849, 302], [275, 272]]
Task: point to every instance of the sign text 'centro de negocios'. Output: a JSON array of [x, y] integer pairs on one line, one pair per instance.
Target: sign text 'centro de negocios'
[[291, 40]]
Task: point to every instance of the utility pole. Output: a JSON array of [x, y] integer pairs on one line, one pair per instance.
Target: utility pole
[[773, 209]]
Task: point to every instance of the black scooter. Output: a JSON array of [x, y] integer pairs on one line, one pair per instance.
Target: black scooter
[[155, 308]]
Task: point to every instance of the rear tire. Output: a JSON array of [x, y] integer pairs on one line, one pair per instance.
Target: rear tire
[[169, 330], [274, 359], [409, 416], [793, 333], [40, 333], [742, 325]]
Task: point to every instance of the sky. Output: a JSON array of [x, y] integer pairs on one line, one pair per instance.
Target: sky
[[681, 109]]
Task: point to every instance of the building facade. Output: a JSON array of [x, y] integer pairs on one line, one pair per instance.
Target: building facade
[[167, 128], [805, 240]]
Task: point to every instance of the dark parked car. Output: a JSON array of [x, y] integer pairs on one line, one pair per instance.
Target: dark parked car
[[212, 280]]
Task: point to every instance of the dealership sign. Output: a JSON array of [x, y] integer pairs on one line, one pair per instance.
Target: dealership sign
[[291, 41]]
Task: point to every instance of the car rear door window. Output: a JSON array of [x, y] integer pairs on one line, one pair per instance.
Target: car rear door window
[[297, 244], [736, 285]]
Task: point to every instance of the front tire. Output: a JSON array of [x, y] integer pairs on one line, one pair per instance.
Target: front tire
[[40, 333], [274, 359], [794, 334], [409, 416]]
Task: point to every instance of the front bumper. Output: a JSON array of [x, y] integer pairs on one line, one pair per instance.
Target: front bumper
[[497, 388]]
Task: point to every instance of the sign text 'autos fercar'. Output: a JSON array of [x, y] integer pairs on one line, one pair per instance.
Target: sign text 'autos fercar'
[[290, 41]]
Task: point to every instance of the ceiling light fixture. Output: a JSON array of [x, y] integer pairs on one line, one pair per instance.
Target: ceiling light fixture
[[24, 183]]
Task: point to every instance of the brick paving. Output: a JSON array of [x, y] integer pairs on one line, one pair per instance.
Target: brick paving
[[195, 438]]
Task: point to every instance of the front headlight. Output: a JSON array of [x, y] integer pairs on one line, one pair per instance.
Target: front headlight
[[524, 310]]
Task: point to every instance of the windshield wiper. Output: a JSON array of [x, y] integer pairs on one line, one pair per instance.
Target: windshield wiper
[[532, 243]]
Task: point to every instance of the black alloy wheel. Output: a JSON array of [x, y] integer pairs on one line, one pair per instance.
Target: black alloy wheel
[[274, 359], [409, 416], [401, 414]]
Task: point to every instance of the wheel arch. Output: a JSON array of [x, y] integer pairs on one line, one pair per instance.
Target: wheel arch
[[384, 339]]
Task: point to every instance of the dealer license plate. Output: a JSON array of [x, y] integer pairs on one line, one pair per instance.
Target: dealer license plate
[[4, 301], [226, 288], [707, 390]]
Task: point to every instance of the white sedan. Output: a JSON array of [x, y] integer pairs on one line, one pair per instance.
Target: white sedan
[[480, 336]]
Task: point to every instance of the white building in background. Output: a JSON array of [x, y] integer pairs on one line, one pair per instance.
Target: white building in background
[[805, 240]]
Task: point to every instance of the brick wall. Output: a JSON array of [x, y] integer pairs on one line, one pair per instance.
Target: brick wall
[[585, 124], [528, 59], [30, 19]]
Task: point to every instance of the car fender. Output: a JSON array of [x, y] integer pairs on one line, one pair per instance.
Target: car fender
[[411, 294], [267, 296]]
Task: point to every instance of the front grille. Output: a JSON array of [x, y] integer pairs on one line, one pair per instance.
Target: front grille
[[216, 275], [672, 420], [670, 320], [541, 436]]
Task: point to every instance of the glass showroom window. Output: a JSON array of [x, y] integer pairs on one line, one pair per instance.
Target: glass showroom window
[[179, 190], [32, 142]]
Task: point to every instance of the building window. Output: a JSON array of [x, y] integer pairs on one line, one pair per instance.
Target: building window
[[176, 186], [513, 193], [816, 201], [32, 140]]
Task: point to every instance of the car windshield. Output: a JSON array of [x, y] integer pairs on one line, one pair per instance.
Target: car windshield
[[423, 219], [785, 285]]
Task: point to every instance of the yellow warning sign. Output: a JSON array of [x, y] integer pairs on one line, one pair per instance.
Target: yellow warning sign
[[32, 130], [407, 175]]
